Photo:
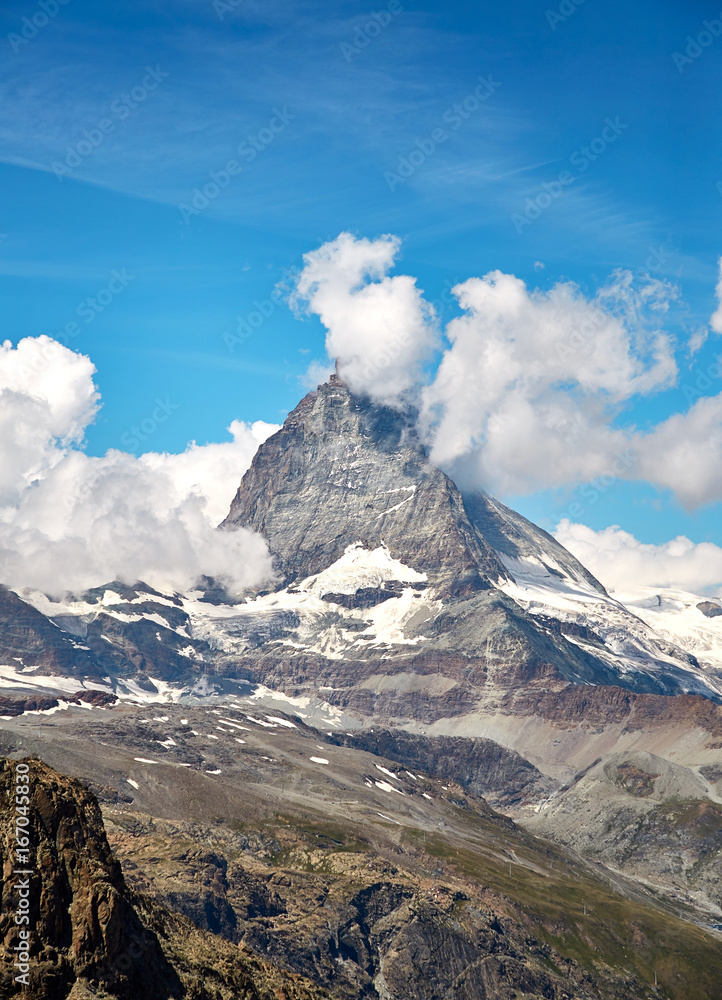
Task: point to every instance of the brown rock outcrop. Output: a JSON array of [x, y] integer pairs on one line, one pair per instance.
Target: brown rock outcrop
[[89, 935]]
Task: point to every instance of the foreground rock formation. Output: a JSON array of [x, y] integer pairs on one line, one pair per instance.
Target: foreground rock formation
[[260, 860], [89, 934]]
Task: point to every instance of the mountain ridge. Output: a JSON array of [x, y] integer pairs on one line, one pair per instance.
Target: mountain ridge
[[406, 618]]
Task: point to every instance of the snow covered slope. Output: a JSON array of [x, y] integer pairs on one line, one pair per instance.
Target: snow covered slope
[[388, 580], [678, 617], [662, 635]]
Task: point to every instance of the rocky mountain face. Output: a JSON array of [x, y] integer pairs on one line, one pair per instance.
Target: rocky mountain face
[[504, 778], [442, 631], [89, 934], [646, 815], [80, 913], [344, 471], [387, 566], [396, 594], [245, 832], [116, 632]]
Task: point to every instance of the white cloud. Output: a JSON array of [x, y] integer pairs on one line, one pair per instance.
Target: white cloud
[[684, 453], [526, 395], [47, 398], [716, 318], [697, 341], [212, 472], [318, 372], [622, 563], [379, 329], [69, 521], [531, 384]]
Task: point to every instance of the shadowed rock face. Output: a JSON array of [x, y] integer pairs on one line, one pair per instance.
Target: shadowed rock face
[[83, 924], [90, 935], [517, 538], [28, 637], [504, 778], [344, 470]]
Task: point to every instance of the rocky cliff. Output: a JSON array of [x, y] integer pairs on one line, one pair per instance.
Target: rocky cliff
[[281, 849], [382, 563], [88, 934], [344, 470]]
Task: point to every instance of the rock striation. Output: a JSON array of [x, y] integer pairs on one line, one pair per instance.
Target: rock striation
[[346, 479], [343, 470]]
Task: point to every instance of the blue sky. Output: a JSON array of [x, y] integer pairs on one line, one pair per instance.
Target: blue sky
[[159, 96]]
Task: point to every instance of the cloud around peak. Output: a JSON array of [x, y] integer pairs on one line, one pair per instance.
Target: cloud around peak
[[532, 385], [380, 330]]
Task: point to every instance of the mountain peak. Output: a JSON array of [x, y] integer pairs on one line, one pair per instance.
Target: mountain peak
[[344, 470]]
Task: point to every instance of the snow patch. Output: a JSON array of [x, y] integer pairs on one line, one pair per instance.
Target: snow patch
[[386, 787], [281, 722], [360, 568]]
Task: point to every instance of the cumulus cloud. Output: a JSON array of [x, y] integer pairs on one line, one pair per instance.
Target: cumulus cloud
[[526, 395], [69, 521], [531, 384], [623, 563], [380, 329], [47, 399], [684, 453]]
